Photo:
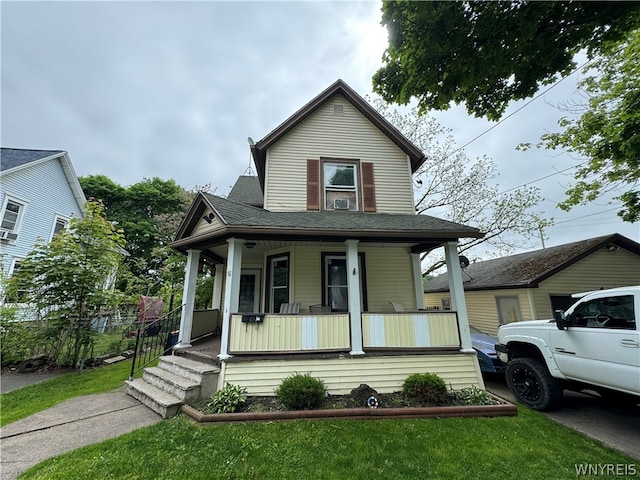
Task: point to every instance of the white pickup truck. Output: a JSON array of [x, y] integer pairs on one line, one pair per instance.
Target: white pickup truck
[[594, 345]]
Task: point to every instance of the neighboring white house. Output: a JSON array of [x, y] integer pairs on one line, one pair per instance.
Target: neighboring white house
[[39, 193]]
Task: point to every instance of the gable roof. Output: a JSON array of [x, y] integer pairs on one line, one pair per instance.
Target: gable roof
[[252, 222], [528, 269], [259, 149], [247, 190], [16, 159], [12, 158]]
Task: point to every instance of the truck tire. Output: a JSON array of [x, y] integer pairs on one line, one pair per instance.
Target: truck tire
[[532, 384]]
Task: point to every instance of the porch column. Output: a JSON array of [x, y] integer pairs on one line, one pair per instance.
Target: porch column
[[417, 280], [188, 298], [231, 292], [216, 301], [353, 286], [456, 288]]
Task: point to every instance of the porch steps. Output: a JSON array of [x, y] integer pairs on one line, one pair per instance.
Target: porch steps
[[176, 380]]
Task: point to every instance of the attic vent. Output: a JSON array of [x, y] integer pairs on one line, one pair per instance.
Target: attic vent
[[338, 109], [341, 204]]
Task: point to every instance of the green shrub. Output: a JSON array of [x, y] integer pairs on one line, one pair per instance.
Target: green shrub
[[473, 396], [226, 400], [425, 387], [301, 392]]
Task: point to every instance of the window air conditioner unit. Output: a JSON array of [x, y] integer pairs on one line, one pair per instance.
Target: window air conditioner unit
[[341, 204], [7, 235]]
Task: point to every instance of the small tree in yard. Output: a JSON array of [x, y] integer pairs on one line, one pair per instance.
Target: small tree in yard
[[68, 282]]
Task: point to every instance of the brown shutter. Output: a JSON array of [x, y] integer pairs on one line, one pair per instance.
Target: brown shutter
[[368, 188], [313, 184]]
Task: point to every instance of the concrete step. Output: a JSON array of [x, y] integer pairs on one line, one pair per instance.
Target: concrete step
[[205, 374], [159, 401], [180, 387]]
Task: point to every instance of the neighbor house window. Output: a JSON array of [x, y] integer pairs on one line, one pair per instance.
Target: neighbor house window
[[340, 186], [508, 310], [59, 224], [278, 278], [12, 214]]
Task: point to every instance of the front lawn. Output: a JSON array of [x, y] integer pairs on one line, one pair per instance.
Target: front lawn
[[528, 446], [35, 398]]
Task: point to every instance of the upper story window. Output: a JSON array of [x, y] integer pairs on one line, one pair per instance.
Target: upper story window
[[340, 186], [11, 217], [59, 224]]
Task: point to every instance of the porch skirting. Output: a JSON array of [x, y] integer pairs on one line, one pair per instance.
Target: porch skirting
[[343, 373]]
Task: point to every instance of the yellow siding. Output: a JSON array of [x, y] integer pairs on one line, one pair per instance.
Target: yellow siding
[[389, 278], [399, 331], [443, 329], [383, 373], [350, 136], [601, 269], [204, 227]]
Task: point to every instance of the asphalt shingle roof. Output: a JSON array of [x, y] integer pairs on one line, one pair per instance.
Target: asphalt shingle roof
[[17, 157], [241, 215], [247, 190], [527, 269]]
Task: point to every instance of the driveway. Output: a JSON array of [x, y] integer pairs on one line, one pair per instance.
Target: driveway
[[617, 427]]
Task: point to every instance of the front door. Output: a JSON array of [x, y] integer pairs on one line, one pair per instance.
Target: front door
[[249, 301], [336, 292]]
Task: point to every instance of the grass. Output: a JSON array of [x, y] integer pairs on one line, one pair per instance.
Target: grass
[[35, 398], [523, 447]]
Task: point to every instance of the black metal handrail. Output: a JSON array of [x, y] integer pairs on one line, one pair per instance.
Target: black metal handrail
[[155, 339]]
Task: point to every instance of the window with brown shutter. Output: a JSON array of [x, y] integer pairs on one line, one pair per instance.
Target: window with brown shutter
[[368, 187], [313, 184]]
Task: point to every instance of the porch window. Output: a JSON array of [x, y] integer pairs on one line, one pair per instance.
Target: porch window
[[278, 278], [340, 186], [334, 280]]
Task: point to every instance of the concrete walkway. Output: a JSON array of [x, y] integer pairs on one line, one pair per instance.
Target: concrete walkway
[[13, 381], [72, 424]]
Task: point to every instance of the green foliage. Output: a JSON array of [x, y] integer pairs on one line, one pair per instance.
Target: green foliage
[[149, 213], [425, 387], [68, 281], [226, 400], [606, 133], [301, 392], [473, 396], [485, 54]]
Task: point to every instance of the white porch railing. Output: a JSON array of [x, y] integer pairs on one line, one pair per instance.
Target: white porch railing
[[289, 333], [410, 330]]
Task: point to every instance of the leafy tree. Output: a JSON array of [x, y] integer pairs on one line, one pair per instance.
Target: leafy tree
[[485, 54], [68, 281], [607, 133], [149, 213], [452, 186]]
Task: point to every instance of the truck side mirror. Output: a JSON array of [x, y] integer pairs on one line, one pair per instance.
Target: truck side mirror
[[561, 319]]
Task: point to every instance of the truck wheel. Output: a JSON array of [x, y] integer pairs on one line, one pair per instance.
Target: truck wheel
[[532, 384]]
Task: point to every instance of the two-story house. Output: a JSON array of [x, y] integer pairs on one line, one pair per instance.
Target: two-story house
[[39, 193], [313, 254]]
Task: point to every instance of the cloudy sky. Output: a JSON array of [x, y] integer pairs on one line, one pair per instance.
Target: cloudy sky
[[142, 89]]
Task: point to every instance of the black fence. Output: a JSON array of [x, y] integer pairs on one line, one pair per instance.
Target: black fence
[[154, 339]]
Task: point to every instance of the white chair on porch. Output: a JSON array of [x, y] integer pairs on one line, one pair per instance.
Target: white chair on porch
[[290, 308]]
